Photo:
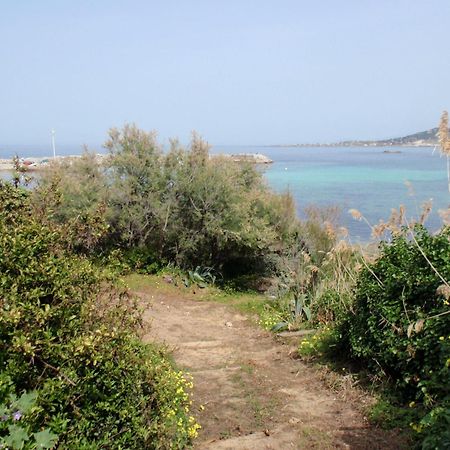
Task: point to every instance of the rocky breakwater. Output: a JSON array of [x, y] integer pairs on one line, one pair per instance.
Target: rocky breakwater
[[255, 158], [29, 163], [33, 163]]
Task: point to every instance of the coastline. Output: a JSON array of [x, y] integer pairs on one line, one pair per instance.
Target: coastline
[[356, 144]]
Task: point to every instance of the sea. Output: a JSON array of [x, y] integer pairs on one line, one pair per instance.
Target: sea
[[372, 180]]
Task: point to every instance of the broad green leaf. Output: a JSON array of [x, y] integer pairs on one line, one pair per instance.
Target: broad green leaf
[[25, 402], [17, 437], [307, 311], [45, 439]]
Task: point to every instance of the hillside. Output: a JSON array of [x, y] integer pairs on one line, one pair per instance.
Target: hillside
[[421, 139], [427, 138]]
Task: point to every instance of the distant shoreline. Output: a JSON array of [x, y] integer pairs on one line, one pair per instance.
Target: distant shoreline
[[347, 145], [427, 138]]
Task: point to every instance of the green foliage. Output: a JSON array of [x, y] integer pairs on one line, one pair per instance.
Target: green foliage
[[297, 312], [317, 275], [201, 276], [436, 428], [321, 343], [20, 176], [73, 194], [141, 260], [136, 182], [69, 346], [182, 207], [401, 322], [271, 315], [15, 430], [386, 413], [332, 295]]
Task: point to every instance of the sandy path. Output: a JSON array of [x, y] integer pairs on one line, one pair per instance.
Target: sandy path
[[249, 393]]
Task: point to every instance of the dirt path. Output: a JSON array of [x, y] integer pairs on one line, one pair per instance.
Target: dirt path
[[250, 393]]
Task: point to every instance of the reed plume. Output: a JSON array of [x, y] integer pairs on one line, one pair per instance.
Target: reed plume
[[444, 142]]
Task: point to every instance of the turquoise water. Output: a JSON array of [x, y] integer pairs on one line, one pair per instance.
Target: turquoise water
[[366, 179]]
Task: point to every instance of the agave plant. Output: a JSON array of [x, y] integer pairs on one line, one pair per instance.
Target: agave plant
[[299, 310], [201, 276]]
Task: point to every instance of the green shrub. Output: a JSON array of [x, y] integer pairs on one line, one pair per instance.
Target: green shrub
[[183, 206], [69, 335], [73, 193], [141, 260], [401, 321]]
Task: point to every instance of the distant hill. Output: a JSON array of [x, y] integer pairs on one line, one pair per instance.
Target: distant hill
[[428, 138]]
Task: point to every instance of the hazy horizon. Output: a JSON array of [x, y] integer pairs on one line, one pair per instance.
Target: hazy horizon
[[186, 142], [239, 72]]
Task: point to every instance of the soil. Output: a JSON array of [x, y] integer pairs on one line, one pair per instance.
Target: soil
[[250, 389]]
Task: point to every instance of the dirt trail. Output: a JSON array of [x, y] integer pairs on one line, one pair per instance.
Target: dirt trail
[[249, 392]]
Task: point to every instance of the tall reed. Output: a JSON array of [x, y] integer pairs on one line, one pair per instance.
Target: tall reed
[[444, 142]]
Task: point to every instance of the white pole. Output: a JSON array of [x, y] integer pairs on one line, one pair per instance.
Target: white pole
[[53, 144]]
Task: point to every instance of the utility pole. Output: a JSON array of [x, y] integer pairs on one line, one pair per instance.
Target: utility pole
[[53, 144]]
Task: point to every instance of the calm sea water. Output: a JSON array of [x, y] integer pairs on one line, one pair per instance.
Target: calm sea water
[[364, 178]]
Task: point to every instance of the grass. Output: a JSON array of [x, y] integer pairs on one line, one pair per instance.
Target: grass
[[387, 415]]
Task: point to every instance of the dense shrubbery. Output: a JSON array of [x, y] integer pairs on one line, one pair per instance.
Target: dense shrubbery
[[401, 325], [182, 206], [69, 349]]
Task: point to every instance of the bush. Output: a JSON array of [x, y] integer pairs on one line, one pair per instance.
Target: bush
[[182, 206], [73, 193], [68, 337], [401, 321]]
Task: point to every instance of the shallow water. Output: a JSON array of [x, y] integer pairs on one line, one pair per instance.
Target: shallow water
[[366, 179]]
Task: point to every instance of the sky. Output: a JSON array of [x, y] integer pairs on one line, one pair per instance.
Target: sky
[[240, 72]]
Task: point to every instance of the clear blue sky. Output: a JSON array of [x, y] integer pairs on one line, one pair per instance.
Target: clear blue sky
[[237, 71]]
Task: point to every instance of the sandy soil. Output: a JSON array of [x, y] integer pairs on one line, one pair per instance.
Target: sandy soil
[[249, 390]]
